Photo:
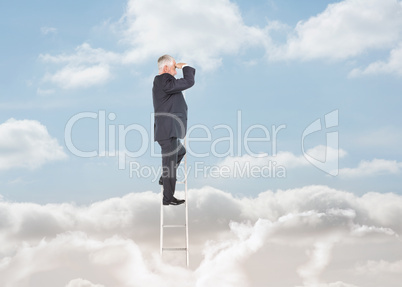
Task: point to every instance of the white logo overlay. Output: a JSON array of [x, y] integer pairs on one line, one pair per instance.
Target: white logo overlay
[[327, 159], [241, 152]]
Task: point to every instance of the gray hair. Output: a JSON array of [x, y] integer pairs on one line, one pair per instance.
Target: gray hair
[[165, 60]]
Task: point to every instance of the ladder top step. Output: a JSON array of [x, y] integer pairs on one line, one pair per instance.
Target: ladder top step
[[174, 225], [175, 249], [181, 182]]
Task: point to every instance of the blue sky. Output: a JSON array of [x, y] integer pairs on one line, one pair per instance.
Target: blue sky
[[294, 142], [264, 68]]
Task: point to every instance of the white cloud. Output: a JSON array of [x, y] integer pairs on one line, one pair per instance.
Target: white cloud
[[335, 284], [44, 92], [373, 167], [320, 257], [345, 29], [84, 54], [86, 67], [48, 30], [71, 77], [82, 283], [74, 254], [200, 31], [223, 258], [115, 242], [392, 66], [380, 267], [27, 144]]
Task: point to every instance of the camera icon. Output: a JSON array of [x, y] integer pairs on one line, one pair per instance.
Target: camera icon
[[324, 157]]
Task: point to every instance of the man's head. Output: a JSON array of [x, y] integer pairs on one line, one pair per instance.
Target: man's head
[[167, 64]]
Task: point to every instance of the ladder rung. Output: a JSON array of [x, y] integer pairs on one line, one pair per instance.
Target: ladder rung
[[175, 249], [180, 182], [174, 225]]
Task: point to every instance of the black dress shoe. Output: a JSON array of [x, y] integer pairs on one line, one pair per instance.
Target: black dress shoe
[[174, 201]]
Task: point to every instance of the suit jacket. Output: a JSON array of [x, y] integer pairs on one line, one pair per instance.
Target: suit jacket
[[169, 104]]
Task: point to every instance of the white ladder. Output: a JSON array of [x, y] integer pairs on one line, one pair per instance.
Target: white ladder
[[163, 225]]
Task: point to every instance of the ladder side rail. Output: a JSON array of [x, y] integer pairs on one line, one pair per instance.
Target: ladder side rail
[[161, 223], [186, 198]]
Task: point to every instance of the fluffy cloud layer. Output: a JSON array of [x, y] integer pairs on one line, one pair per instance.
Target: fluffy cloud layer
[[381, 267], [27, 144], [312, 236]]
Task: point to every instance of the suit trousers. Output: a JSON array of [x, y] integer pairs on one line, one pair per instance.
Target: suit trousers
[[172, 153]]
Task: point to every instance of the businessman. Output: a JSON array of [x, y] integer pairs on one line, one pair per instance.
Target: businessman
[[170, 120]]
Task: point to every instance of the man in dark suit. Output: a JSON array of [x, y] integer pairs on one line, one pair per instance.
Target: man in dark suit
[[170, 120]]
